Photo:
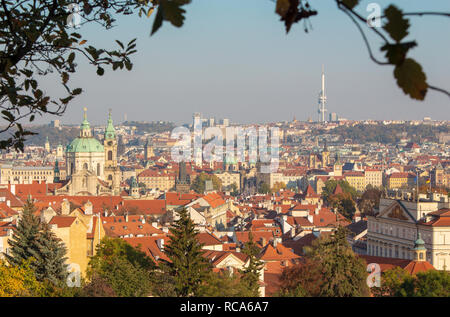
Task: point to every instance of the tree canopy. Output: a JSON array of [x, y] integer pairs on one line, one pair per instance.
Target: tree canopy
[[330, 269]]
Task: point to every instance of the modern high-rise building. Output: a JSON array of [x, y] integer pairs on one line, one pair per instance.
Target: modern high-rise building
[[322, 99]]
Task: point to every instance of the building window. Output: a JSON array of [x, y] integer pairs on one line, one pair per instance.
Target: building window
[[110, 156]]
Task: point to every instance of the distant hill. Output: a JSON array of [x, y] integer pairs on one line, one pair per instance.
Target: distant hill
[[151, 127], [392, 133], [55, 135]]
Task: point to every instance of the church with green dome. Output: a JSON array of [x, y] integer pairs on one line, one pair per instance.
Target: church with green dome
[[91, 166]]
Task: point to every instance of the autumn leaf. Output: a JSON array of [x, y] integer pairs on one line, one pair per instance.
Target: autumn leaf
[[396, 26], [411, 78], [282, 7], [350, 3], [396, 53]]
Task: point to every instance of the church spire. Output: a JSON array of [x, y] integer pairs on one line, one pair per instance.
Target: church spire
[[110, 132], [85, 126], [419, 249]]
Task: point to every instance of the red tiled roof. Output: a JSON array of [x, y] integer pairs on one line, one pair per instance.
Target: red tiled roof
[[15, 202], [216, 257], [207, 238], [122, 229], [6, 211], [150, 246], [147, 207], [258, 236], [278, 253], [310, 192], [214, 200], [62, 221], [415, 267]]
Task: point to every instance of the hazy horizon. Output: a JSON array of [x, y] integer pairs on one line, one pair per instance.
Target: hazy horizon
[[233, 59]]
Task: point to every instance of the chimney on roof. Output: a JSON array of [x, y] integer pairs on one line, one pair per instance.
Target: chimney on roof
[[263, 241], [292, 232], [13, 189], [8, 203], [88, 208], [65, 207], [160, 243], [316, 211], [311, 218], [276, 240]]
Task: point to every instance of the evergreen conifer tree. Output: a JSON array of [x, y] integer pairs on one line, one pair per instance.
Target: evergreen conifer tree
[[33, 240], [51, 257], [23, 243], [187, 265], [252, 271]]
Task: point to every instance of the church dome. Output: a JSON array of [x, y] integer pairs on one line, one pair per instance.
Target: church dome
[[85, 145], [85, 142]]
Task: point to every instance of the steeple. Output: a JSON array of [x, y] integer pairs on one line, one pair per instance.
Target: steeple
[[47, 144], [110, 132], [56, 172], [85, 127], [420, 251]]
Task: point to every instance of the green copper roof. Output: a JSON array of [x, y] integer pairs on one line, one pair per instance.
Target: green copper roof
[[110, 132], [419, 244], [85, 145]]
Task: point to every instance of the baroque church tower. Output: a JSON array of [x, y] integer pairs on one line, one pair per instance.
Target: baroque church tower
[[112, 171]]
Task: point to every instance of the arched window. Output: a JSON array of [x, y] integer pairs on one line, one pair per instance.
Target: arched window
[[110, 177], [110, 156], [85, 166], [98, 169]]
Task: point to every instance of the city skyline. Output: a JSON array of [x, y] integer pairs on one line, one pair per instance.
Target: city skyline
[[230, 70]]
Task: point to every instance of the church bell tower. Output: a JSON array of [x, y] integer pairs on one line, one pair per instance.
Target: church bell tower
[[112, 171]]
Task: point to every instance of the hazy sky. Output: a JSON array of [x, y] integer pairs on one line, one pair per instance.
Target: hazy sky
[[233, 59]]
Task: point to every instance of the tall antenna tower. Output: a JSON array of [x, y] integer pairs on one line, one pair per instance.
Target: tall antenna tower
[[322, 99]]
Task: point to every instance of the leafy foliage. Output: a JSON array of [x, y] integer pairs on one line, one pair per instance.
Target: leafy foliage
[[224, 284], [398, 282], [98, 287], [198, 185], [411, 78], [329, 257], [369, 199], [171, 11], [120, 266], [391, 282], [293, 11], [264, 188], [19, 281], [278, 186], [331, 184], [37, 41], [343, 203]]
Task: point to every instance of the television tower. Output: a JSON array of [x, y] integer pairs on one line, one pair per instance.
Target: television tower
[[322, 99]]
